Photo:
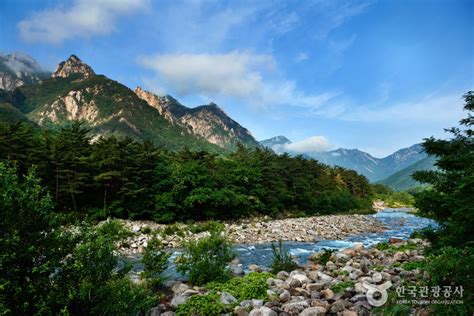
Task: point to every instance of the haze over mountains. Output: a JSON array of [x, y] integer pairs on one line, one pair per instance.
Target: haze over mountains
[[375, 169], [75, 92]]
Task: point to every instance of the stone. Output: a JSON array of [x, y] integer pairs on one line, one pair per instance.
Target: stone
[[302, 278], [348, 252], [240, 311], [315, 286], [293, 308], [255, 268], [394, 240], [257, 303], [246, 303], [227, 298], [342, 257], [178, 300], [236, 270], [292, 282], [357, 246], [313, 311], [337, 306], [324, 277], [282, 275], [168, 313], [348, 313], [262, 311], [285, 296], [155, 311], [327, 293], [377, 277], [179, 287]]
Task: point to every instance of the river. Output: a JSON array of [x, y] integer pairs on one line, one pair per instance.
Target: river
[[399, 223]]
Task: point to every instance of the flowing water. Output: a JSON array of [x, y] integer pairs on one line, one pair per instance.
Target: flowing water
[[399, 224]]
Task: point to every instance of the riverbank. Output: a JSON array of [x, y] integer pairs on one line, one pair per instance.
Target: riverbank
[[253, 231], [342, 284]]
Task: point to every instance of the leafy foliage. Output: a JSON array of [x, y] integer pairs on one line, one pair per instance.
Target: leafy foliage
[[252, 286], [324, 256], [282, 259], [206, 260]]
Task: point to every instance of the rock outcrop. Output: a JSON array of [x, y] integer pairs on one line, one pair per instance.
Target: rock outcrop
[[209, 122], [73, 65]]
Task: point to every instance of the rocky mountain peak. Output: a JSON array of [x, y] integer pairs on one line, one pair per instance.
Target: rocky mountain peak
[[73, 65], [18, 69]]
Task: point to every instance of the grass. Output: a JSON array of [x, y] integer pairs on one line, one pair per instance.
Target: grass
[[341, 286]]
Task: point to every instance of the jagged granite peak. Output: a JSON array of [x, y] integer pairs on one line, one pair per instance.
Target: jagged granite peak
[[206, 121], [18, 69], [277, 144], [73, 65]]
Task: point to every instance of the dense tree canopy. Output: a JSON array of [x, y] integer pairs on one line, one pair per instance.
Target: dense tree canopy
[[129, 179]]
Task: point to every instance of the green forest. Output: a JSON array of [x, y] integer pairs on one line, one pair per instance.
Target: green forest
[[124, 178]]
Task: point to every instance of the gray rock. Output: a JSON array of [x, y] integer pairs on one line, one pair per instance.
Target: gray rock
[[227, 298], [178, 299], [257, 303], [285, 296], [168, 313], [315, 286], [262, 311], [337, 306], [294, 307], [236, 270], [324, 277], [302, 278], [292, 282], [179, 288], [255, 268], [282, 275], [240, 311], [327, 293], [155, 311], [313, 311]]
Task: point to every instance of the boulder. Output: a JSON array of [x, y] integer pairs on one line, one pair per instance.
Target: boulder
[[313, 311], [179, 288], [155, 311], [394, 240], [262, 311], [255, 268], [282, 275], [302, 278], [168, 313], [348, 313], [285, 296], [315, 286], [327, 293], [240, 311], [293, 308], [293, 282], [227, 298]]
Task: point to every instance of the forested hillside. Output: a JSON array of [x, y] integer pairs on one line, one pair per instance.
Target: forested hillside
[[130, 179]]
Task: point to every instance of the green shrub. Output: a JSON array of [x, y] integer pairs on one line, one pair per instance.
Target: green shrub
[[282, 260], [412, 265], [324, 256], [173, 229], [252, 286], [155, 262], [207, 304], [382, 246], [206, 259]]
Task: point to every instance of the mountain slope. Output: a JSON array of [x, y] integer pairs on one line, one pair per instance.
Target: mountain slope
[[19, 69], [402, 179], [277, 143], [104, 105], [209, 122]]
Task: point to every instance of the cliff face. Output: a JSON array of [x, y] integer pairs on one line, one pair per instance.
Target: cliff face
[[72, 66], [209, 122]]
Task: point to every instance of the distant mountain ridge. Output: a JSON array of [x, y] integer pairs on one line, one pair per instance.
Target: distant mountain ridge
[[375, 169], [19, 69], [402, 179]]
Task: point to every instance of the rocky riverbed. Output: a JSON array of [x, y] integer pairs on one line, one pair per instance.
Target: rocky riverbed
[[255, 231], [339, 286]]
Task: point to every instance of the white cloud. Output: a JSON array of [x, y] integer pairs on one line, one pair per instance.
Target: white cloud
[[241, 75], [309, 145], [84, 19], [233, 74]]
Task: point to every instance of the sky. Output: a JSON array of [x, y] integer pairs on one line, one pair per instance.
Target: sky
[[372, 75]]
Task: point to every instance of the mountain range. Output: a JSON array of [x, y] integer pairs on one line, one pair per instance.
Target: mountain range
[[375, 169], [75, 92]]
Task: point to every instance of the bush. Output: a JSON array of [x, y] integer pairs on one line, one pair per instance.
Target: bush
[[206, 259], [155, 261], [208, 304], [252, 286], [341, 286], [282, 260], [206, 227], [324, 256]]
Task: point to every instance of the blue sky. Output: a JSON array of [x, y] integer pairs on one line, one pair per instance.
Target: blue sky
[[373, 75]]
